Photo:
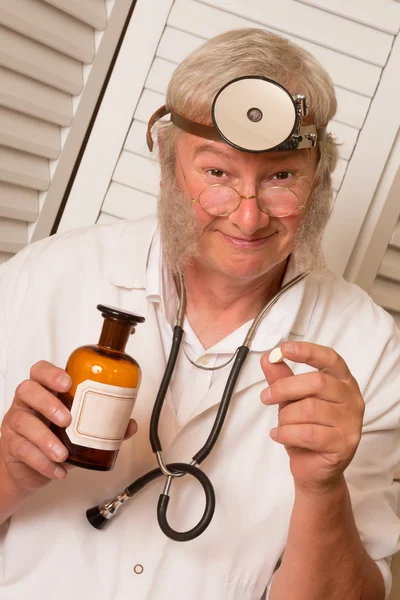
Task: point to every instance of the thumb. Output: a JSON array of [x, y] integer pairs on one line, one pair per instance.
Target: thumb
[[131, 429], [274, 371]]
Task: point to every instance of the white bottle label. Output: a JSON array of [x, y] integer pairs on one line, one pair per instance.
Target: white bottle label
[[100, 415]]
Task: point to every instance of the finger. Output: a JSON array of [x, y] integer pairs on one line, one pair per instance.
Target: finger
[[23, 451], [274, 371], [30, 427], [50, 376], [319, 357], [30, 394], [313, 411], [131, 429], [296, 387], [317, 438]]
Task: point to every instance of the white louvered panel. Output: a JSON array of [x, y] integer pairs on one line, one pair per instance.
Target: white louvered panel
[[24, 169], [18, 203], [137, 172], [34, 98], [381, 14], [128, 203], [386, 293], [159, 75], [352, 108], [92, 12], [105, 219], [286, 16], [136, 140], [390, 266], [13, 235], [28, 134], [45, 45], [149, 102], [176, 44], [347, 72], [4, 256], [395, 239], [50, 26], [19, 53]]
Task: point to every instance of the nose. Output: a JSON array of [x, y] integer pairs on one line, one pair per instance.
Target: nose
[[248, 217]]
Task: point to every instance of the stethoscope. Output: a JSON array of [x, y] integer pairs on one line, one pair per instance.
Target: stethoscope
[[98, 516]]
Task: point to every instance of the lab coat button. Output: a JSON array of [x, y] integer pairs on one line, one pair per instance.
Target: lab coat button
[[138, 569]]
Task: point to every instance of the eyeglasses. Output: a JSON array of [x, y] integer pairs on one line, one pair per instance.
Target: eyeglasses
[[219, 200]]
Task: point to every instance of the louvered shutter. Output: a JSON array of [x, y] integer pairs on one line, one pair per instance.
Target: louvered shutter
[[49, 85]]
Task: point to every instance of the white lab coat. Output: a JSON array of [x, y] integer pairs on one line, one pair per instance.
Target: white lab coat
[[48, 301]]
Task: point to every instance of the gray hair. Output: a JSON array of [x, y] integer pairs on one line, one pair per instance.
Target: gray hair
[[233, 54]]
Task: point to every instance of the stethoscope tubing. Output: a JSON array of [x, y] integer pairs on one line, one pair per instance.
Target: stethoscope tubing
[[98, 515], [162, 392]]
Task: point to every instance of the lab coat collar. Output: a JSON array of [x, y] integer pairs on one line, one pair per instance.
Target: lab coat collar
[[128, 261]]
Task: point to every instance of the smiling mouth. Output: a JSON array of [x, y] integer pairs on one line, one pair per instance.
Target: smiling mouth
[[246, 243]]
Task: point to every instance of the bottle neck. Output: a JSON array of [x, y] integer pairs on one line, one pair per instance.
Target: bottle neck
[[115, 335]]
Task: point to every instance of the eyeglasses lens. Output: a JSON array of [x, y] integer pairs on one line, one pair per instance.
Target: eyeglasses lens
[[222, 200]]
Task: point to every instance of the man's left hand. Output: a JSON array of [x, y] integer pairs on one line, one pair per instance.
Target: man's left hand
[[320, 413]]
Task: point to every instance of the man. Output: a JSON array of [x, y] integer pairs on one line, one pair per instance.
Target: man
[[299, 490]]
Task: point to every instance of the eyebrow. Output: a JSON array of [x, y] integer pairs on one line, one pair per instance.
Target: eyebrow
[[275, 156], [211, 148]]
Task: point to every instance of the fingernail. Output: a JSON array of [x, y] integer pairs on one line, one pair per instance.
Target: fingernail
[[276, 356], [62, 416], [60, 473], [64, 381], [274, 433], [290, 348], [267, 395], [59, 451]]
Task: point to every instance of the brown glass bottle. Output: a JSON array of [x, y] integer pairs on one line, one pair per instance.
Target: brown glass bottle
[[105, 381]]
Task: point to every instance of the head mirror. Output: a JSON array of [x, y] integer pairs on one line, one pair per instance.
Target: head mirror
[[254, 114]]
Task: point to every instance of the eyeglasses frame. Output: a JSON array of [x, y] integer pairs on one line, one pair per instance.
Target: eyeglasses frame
[[299, 206]]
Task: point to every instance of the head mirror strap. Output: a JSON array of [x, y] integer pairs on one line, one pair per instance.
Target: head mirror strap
[[310, 135], [159, 114], [203, 131]]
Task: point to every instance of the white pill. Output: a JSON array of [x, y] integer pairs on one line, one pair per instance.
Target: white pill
[[276, 356]]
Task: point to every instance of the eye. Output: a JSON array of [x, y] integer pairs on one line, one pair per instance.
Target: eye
[[283, 175], [216, 173]]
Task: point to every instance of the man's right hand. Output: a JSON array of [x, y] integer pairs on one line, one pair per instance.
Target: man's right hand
[[30, 454]]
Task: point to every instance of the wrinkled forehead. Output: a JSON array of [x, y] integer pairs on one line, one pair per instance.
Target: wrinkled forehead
[[203, 152]]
